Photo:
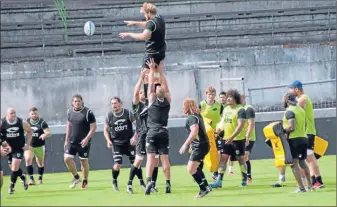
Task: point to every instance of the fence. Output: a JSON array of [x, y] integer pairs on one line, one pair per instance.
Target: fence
[[215, 27], [268, 99]]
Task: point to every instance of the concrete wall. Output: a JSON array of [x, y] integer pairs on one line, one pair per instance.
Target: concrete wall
[[101, 157], [49, 85], [182, 7]]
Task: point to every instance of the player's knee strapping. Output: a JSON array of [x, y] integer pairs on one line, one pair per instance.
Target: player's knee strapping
[[139, 157], [303, 165]]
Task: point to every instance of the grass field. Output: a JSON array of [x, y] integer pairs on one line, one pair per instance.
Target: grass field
[[55, 191]]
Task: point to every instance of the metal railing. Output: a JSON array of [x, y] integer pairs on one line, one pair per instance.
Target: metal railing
[[269, 98], [216, 28]]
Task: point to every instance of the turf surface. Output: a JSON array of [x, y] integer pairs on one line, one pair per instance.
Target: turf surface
[[55, 191]]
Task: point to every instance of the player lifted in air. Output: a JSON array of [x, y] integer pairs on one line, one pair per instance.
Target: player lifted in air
[[119, 136], [13, 131], [157, 138], [80, 129], [200, 145], [41, 132]]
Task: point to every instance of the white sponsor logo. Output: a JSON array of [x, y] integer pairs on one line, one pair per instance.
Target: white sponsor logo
[[34, 128], [120, 125], [13, 132]]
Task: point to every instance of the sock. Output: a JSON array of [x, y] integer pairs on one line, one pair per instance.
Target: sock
[[40, 171], [115, 174], [20, 174], [155, 175], [148, 180], [203, 177], [133, 172], [304, 181], [313, 180], [230, 168], [243, 172], [319, 179], [139, 173], [249, 169], [14, 177], [168, 182], [30, 171], [85, 181], [76, 176], [215, 174], [198, 178], [282, 178]]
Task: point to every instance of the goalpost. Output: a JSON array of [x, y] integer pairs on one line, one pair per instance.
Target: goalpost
[[240, 80]]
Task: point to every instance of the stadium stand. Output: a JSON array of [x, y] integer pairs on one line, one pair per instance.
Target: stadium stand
[[35, 40]]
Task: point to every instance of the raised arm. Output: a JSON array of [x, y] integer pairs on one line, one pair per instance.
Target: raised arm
[[150, 27], [138, 86], [163, 81], [140, 24], [151, 85]]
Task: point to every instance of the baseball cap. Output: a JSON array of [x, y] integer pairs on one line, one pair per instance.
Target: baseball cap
[[296, 84], [291, 98]]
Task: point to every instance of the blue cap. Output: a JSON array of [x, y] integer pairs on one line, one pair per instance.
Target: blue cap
[[295, 84]]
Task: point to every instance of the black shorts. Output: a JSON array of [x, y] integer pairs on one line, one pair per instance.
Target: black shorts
[[250, 146], [157, 141], [198, 153], [157, 58], [119, 150], [237, 148], [73, 149], [16, 153], [219, 143], [311, 141], [140, 147], [298, 148]]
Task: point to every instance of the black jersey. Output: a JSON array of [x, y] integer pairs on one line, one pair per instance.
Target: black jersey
[[158, 113], [202, 134], [80, 124], [140, 114], [156, 43], [13, 133], [38, 128], [120, 125]]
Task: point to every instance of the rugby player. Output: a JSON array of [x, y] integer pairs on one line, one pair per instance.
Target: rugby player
[[305, 102], [13, 131], [157, 138], [153, 34], [212, 110], [294, 127], [4, 150], [250, 134], [41, 132], [119, 135], [140, 105], [232, 122], [200, 145], [81, 127]]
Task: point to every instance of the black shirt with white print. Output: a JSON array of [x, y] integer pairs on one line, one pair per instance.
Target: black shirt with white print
[[38, 128], [120, 126], [13, 133]]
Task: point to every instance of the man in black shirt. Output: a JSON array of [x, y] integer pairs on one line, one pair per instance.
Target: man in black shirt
[[13, 131], [153, 34], [200, 145], [80, 129], [119, 135], [40, 133], [157, 138]]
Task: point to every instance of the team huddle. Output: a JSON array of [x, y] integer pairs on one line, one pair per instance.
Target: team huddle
[[232, 120]]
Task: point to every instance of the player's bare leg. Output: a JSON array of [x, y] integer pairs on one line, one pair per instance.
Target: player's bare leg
[[167, 171], [69, 161], [221, 171], [85, 171], [243, 169], [16, 172], [40, 165], [115, 173], [282, 177], [195, 170], [231, 168], [316, 178], [29, 155]]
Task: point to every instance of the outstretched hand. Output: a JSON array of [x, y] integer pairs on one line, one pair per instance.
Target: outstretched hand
[[123, 35], [129, 23], [151, 63]]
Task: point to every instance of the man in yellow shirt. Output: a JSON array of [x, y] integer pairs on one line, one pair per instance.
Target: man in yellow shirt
[[305, 102], [232, 123]]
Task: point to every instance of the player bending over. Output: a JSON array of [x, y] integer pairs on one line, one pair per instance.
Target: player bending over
[[232, 122], [13, 131], [40, 133], [119, 136], [157, 138], [200, 145], [81, 127], [140, 106]]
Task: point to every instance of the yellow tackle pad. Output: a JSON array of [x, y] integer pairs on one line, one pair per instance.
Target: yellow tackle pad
[[274, 133], [320, 147], [211, 160]]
